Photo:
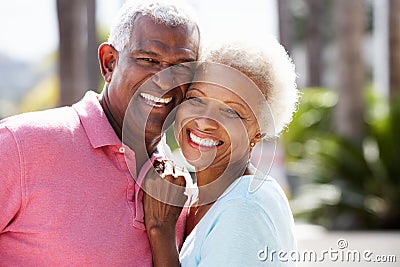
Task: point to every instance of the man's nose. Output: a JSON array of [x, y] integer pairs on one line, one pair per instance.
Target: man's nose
[[164, 78]]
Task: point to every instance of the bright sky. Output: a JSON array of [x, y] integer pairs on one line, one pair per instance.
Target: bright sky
[[29, 28]]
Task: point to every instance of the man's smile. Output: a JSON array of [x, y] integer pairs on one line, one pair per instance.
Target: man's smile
[[155, 101]]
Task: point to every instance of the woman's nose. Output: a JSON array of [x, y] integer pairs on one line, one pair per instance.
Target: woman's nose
[[208, 119], [206, 124]]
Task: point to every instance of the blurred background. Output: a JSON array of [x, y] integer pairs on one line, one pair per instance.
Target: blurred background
[[339, 162]]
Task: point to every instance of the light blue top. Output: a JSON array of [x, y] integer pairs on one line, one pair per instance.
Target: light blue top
[[246, 226]]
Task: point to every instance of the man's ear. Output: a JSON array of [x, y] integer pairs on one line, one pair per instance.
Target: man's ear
[[107, 58]]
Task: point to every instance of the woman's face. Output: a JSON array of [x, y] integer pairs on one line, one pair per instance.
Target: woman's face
[[214, 126]]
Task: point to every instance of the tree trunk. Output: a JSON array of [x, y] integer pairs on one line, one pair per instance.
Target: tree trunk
[[394, 48], [74, 49], [285, 25], [92, 60], [315, 42], [349, 29]]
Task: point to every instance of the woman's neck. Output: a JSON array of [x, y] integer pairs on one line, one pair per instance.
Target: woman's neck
[[212, 183], [214, 180]]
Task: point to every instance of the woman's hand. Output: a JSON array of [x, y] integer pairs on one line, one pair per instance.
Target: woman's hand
[[163, 200]]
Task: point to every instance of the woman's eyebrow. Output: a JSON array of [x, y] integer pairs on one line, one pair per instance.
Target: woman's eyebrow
[[195, 89], [186, 60], [236, 103]]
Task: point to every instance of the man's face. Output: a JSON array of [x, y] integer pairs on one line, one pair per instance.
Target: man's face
[[152, 48]]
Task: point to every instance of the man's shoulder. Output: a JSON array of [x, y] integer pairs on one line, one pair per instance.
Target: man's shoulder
[[33, 131], [55, 119]]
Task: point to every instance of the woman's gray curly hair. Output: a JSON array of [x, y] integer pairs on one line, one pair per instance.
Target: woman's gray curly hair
[[268, 65], [167, 12]]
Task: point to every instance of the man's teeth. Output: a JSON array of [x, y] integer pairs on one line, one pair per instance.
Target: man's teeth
[[156, 99], [203, 142]]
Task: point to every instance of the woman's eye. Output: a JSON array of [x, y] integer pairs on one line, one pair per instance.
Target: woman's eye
[[182, 66], [196, 101], [182, 69], [231, 113]]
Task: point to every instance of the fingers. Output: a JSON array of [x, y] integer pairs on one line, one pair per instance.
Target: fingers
[[167, 167], [171, 188]]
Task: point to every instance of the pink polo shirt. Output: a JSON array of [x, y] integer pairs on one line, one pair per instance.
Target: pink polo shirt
[[67, 197]]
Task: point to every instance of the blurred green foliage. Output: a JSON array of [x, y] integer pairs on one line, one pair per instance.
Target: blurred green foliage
[[344, 185], [44, 95]]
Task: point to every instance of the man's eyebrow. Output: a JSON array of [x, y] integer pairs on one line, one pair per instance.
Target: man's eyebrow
[[144, 52], [154, 54]]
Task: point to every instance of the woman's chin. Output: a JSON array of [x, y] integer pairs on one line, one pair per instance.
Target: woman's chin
[[197, 158], [200, 163]]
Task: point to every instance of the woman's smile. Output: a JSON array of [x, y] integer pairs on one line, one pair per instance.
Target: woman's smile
[[196, 140]]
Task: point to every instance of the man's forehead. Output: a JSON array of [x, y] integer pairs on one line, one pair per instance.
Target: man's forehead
[[160, 39], [142, 23], [160, 50]]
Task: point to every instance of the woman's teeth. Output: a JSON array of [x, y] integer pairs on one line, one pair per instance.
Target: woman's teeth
[[203, 142], [154, 100]]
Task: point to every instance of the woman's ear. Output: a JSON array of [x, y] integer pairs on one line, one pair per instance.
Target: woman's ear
[[107, 58], [257, 138]]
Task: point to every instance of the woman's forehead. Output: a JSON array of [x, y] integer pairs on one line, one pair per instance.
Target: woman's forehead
[[231, 80], [238, 83]]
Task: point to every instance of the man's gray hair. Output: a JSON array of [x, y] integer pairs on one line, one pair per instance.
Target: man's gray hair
[[167, 12]]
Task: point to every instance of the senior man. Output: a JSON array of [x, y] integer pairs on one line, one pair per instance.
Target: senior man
[[67, 194]]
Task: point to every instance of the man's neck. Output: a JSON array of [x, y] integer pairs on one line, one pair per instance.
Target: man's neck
[[105, 104], [143, 146], [143, 156], [143, 150]]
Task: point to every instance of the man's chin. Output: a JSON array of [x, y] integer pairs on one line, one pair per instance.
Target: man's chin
[[153, 130]]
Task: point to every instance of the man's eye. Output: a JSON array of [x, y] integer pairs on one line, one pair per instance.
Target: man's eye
[[146, 59]]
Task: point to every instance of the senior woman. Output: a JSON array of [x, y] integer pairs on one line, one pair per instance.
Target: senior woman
[[237, 216]]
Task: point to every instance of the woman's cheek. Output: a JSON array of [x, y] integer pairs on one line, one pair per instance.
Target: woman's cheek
[[182, 115]]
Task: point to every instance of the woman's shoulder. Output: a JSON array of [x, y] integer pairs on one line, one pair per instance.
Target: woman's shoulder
[[255, 189], [259, 202], [255, 196]]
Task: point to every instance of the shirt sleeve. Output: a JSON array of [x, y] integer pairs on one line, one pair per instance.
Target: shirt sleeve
[[10, 178], [243, 235]]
